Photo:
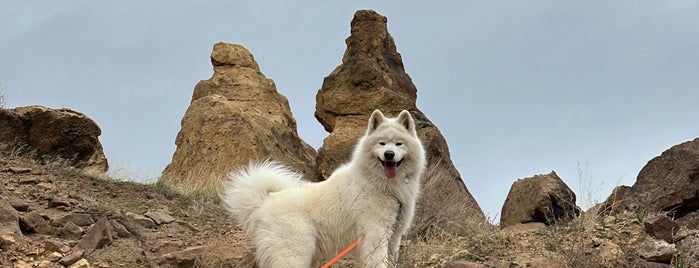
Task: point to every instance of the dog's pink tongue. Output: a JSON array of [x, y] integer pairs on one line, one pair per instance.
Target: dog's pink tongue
[[390, 171]]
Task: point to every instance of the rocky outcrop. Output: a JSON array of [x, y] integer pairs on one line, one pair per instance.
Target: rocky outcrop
[[48, 135], [371, 77], [234, 117], [542, 198], [669, 184]]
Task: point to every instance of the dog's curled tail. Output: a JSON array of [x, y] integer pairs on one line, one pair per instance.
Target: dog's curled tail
[[247, 188]]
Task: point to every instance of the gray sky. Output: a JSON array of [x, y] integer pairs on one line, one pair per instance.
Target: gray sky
[[518, 88]]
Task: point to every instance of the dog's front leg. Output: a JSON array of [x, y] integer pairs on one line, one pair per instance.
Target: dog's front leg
[[373, 247], [402, 226]]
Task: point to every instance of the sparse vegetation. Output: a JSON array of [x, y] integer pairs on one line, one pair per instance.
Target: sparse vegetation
[[3, 97], [203, 185], [594, 239]]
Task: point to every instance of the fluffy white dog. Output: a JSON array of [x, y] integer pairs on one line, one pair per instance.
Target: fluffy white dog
[[295, 223]]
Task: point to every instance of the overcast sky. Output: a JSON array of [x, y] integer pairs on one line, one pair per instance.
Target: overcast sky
[[518, 88]]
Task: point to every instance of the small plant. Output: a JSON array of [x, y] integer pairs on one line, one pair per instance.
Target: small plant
[[639, 216], [679, 262], [3, 97]]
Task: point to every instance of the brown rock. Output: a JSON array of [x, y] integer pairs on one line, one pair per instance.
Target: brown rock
[[72, 257], [58, 202], [20, 205], [236, 116], [661, 227], [22, 264], [78, 218], [18, 170], [119, 229], [465, 264], [97, 237], [609, 252], [82, 263], [142, 220], [542, 198], [670, 183], [371, 77], [7, 240], [34, 222], [72, 231], [52, 245], [617, 202], [657, 251], [182, 258], [54, 256], [53, 134], [9, 220], [159, 217]]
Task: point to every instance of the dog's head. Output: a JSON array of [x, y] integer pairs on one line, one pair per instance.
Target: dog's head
[[392, 141]]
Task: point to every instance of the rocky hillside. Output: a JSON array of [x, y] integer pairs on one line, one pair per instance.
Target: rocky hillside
[[58, 216]]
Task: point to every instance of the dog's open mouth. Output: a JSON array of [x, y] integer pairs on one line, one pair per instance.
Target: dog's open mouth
[[390, 167]]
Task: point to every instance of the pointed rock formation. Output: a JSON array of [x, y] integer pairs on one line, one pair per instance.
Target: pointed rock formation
[[235, 116], [48, 135], [370, 77]]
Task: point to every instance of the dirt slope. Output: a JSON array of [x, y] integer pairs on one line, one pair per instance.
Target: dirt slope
[[148, 226]]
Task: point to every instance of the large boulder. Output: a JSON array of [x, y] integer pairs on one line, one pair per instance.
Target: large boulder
[[234, 117], [542, 198], [669, 183], [49, 135], [371, 77]]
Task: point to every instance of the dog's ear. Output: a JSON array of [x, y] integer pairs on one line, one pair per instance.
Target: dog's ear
[[375, 120], [405, 119]]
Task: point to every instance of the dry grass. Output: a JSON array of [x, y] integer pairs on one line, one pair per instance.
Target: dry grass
[[440, 209], [440, 226], [197, 184]]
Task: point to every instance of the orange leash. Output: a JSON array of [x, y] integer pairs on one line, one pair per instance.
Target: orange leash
[[343, 253]]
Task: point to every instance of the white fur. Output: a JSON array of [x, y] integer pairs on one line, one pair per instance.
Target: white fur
[[300, 224]]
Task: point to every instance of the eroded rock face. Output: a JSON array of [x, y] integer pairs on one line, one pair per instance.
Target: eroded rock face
[[234, 117], [542, 198], [49, 135], [371, 77]]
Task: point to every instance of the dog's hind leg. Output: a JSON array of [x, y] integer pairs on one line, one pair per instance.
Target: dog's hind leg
[[291, 251]]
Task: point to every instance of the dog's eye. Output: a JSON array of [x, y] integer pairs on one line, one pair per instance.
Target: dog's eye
[[399, 143], [382, 143]]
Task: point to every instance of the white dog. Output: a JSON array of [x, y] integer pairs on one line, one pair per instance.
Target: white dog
[[294, 223]]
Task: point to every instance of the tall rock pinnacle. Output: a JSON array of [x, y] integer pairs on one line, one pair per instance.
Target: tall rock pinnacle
[[234, 117], [370, 77]]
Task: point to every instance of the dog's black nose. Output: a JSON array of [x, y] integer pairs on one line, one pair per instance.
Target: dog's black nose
[[389, 155]]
